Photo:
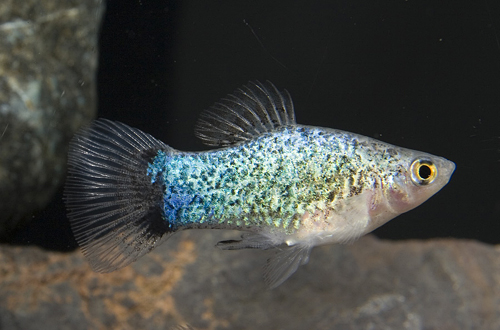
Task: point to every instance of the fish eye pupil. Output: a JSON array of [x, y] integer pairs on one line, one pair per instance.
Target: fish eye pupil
[[424, 172]]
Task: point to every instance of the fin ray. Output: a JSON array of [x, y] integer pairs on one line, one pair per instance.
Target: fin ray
[[113, 207], [282, 265], [251, 110], [249, 241]]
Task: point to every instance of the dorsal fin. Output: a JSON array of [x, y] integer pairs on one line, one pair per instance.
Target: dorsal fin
[[251, 110]]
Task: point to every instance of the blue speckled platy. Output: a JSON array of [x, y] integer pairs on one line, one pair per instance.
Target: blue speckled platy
[[282, 183], [269, 181]]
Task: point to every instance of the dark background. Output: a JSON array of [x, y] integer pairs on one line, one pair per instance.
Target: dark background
[[419, 74]]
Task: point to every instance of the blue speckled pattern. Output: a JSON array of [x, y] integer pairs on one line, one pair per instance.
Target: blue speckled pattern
[[270, 181], [287, 184]]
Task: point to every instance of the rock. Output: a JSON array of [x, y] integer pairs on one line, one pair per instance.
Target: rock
[[371, 284], [48, 61]]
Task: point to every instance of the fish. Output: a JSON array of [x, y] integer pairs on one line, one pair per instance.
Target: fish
[[285, 186]]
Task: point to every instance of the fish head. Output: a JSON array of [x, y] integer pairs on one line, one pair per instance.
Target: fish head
[[415, 178]]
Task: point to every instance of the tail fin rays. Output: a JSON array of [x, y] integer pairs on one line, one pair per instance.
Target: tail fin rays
[[114, 209]]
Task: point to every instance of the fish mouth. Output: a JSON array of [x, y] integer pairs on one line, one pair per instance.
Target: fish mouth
[[446, 169]]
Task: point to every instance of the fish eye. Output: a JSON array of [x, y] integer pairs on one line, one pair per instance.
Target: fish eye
[[423, 171]]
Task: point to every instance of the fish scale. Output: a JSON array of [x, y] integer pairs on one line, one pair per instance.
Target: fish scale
[[283, 184], [261, 173]]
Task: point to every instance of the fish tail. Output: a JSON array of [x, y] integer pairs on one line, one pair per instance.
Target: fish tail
[[113, 207]]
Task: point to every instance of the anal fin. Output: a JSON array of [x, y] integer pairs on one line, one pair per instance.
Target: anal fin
[[248, 241]]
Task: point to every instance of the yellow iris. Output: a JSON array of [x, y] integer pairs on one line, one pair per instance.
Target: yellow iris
[[423, 171]]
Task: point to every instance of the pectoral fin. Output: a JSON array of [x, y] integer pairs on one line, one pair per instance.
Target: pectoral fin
[[280, 266], [285, 263]]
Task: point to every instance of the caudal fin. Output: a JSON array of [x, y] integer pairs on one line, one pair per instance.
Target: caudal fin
[[113, 207]]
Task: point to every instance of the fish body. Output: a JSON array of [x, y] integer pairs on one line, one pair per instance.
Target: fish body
[[282, 183]]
